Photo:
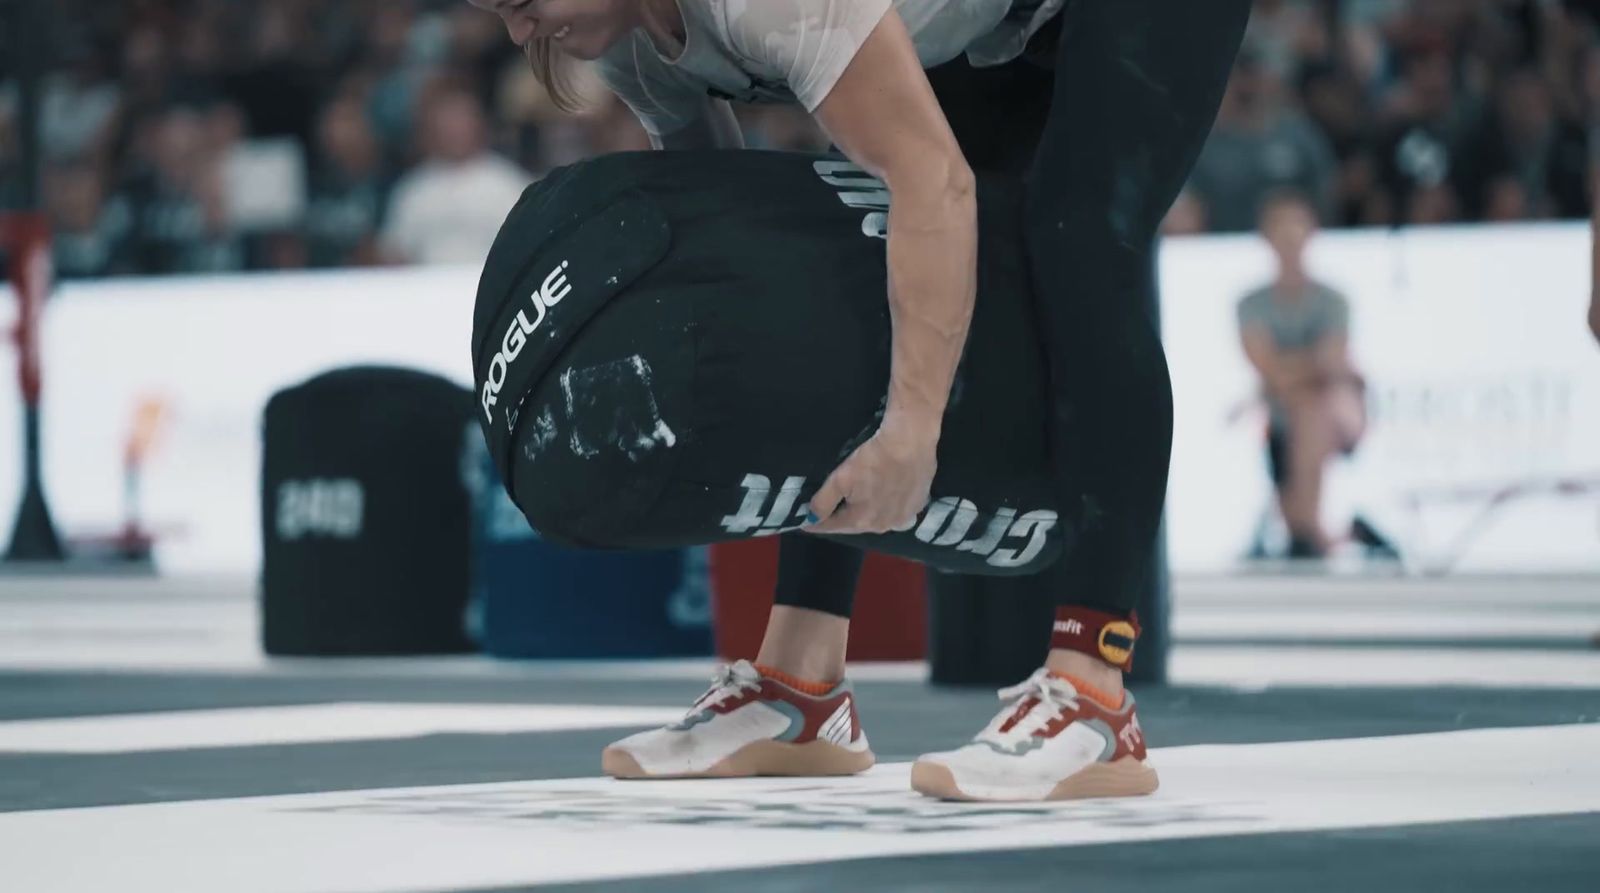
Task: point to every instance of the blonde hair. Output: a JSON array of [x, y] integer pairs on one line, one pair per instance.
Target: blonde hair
[[552, 70]]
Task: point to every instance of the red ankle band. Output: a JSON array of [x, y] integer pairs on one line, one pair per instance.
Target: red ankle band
[[1109, 637]]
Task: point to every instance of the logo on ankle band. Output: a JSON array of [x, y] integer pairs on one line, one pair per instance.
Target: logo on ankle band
[[1116, 642]]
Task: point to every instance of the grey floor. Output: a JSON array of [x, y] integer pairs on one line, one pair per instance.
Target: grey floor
[[1258, 660]]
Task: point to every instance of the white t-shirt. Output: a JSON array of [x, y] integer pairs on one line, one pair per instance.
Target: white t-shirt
[[795, 50], [449, 213]]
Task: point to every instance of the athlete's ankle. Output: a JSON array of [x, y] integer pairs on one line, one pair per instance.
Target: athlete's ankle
[[1091, 670], [805, 644], [814, 687]]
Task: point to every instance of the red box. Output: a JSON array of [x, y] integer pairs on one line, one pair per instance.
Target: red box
[[891, 610]]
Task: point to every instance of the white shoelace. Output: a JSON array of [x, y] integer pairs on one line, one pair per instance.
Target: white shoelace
[[730, 680], [1052, 694]]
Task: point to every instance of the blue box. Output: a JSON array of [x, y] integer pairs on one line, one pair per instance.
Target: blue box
[[535, 599]]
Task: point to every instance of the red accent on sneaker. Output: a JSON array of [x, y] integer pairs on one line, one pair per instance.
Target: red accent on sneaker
[[1109, 637], [1023, 706], [1124, 725], [815, 711]]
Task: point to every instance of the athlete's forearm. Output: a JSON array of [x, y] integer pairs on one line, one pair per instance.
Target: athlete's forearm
[[933, 257], [884, 115]]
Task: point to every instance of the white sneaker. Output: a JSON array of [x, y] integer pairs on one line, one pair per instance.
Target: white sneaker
[[1050, 744], [747, 724]]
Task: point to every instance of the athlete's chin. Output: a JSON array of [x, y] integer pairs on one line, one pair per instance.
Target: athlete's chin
[[584, 50]]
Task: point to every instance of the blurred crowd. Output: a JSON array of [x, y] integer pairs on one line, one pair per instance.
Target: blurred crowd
[[221, 135], [1397, 112], [186, 136]]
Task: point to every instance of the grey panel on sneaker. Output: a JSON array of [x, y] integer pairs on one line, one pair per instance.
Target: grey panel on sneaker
[[797, 723], [1100, 725], [842, 686]]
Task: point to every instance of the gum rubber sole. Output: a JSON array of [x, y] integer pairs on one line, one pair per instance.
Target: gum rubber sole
[[772, 758], [1126, 777]]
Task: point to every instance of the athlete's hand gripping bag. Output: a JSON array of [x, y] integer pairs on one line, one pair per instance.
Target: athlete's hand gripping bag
[[537, 599], [364, 515]]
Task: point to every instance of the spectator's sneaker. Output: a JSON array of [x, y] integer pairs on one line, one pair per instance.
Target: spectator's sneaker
[[1052, 743], [749, 724]]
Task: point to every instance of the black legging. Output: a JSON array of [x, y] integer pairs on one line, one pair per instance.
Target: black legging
[[1137, 85], [1136, 89], [818, 574]]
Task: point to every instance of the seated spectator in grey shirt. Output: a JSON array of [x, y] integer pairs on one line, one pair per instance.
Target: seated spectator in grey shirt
[[1295, 332]]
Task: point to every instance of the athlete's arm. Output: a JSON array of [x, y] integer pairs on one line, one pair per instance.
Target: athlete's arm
[[714, 128], [884, 116]]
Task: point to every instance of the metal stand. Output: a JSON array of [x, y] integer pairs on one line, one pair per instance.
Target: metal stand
[[26, 238], [33, 538]]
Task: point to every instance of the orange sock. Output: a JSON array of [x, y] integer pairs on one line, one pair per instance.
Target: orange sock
[[1094, 694], [804, 686]]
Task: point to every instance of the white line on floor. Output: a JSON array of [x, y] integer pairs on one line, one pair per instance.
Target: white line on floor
[[309, 724], [529, 833], [1199, 624], [164, 625], [1253, 668]]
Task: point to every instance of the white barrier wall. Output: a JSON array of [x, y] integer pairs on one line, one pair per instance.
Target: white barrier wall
[[1483, 378], [214, 349]]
